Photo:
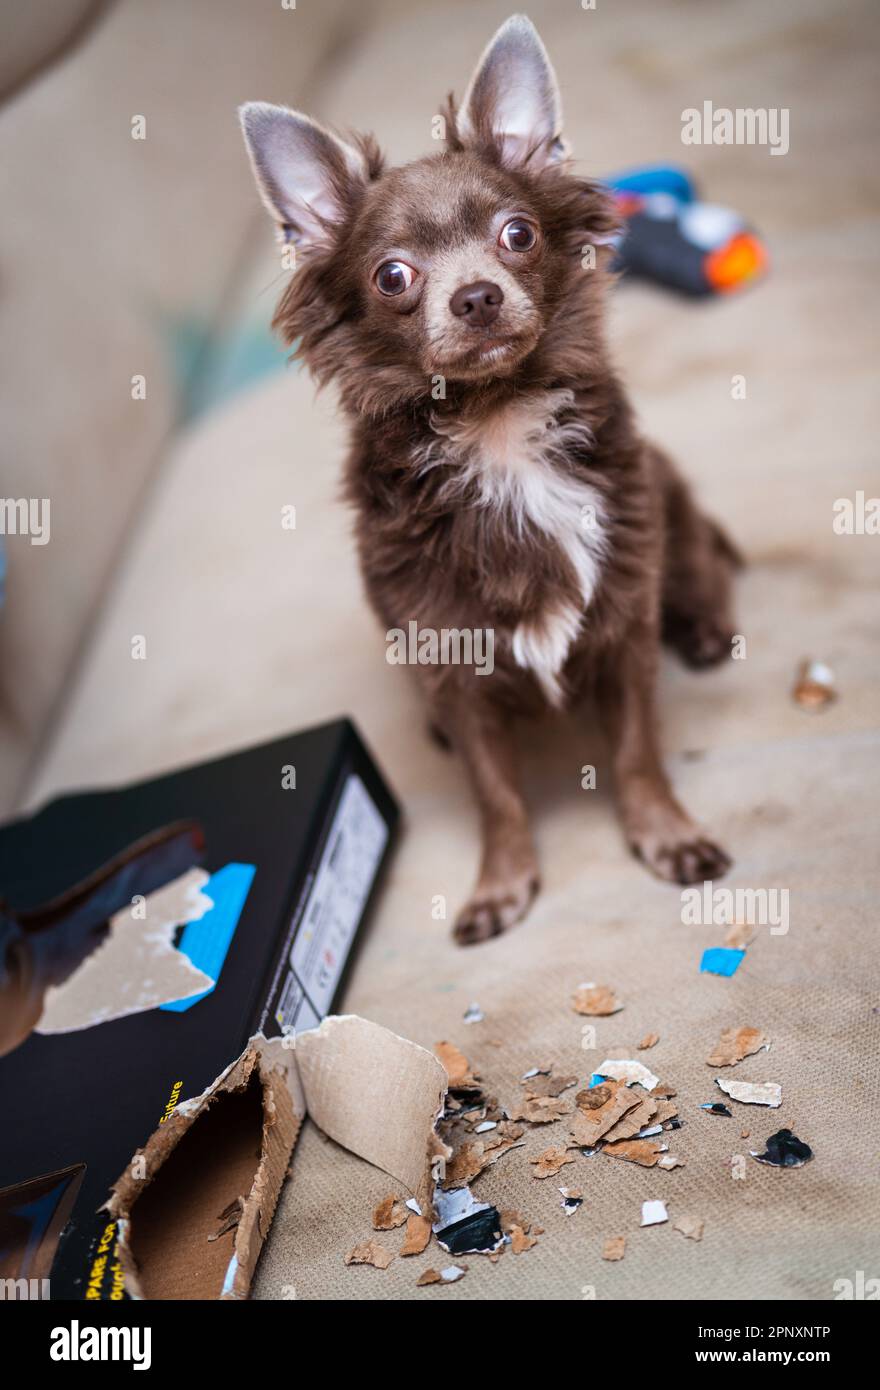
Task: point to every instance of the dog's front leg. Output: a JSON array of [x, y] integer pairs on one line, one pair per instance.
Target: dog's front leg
[[657, 828], [508, 877]]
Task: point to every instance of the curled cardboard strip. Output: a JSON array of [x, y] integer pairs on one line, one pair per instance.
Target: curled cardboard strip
[[192, 1217]]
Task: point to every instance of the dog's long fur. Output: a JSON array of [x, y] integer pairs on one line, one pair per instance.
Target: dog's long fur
[[524, 499]]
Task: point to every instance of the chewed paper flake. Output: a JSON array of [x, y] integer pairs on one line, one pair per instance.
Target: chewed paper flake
[[752, 1092], [690, 1226], [370, 1252], [473, 1014], [735, 1044], [614, 1248], [596, 1001], [654, 1213], [633, 1073], [720, 960], [814, 685], [450, 1275]]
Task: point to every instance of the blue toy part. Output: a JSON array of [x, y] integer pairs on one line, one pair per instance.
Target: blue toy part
[[207, 941], [655, 178]]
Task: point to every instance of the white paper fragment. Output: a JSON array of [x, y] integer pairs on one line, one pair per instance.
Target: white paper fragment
[[451, 1273], [485, 1126], [649, 1131], [137, 966], [752, 1092], [535, 1071], [473, 1014], [633, 1073], [413, 1205], [654, 1213]]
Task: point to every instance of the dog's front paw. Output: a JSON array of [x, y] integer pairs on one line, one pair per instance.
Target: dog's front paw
[[495, 906], [685, 859]]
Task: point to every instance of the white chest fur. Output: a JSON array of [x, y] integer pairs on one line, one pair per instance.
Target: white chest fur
[[513, 458]]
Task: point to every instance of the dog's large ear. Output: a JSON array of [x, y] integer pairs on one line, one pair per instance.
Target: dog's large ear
[[513, 99], [306, 176]]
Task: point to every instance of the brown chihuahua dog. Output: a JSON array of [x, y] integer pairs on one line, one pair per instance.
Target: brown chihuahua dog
[[500, 482]]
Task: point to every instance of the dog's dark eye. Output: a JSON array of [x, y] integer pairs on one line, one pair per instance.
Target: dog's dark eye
[[394, 277], [518, 235]]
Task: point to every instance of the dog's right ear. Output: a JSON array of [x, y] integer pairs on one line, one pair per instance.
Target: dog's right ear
[[306, 175]]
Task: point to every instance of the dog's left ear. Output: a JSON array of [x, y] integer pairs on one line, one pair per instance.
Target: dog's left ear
[[513, 102]]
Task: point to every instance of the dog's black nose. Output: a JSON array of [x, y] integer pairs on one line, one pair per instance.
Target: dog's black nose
[[477, 304]]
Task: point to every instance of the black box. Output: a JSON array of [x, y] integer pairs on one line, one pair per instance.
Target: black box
[[312, 815]]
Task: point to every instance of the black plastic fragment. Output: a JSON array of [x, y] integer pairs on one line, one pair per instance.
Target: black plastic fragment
[[717, 1107], [479, 1231], [785, 1150]]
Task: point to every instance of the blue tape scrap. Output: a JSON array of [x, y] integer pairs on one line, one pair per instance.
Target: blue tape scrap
[[720, 960]]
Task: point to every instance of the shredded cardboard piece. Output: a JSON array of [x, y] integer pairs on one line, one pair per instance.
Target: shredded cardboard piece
[[418, 1235], [814, 685], [549, 1163], [649, 1040], [654, 1213], [739, 935], [544, 1085], [272, 1065], [572, 1198], [720, 960], [370, 1252], [624, 1069], [784, 1150], [744, 1133], [389, 1214], [450, 1275], [662, 1091], [595, 1001], [645, 1152], [598, 1109], [465, 1226], [735, 1044], [457, 1066], [614, 1248], [690, 1226], [471, 1158], [752, 1092], [137, 966], [473, 1014], [520, 1240], [541, 1110], [228, 1218], [629, 1125], [376, 1094]]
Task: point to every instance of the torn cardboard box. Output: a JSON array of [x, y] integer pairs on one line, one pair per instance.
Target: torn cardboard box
[[193, 1207]]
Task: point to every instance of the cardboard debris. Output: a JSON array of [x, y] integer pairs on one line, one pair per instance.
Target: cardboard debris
[[645, 1152], [465, 1226], [654, 1213], [596, 1001], [631, 1124], [739, 935], [633, 1073], [598, 1109], [572, 1198], [735, 1044], [689, 1226], [450, 1275], [418, 1235], [720, 960], [472, 1157], [614, 1248], [549, 1163], [752, 1092], [389, 1214], [784, 1150], [814, 685], [541, 1110], [370, 1252], [458, 1068], [649, 1040], [375, 1093], [520, 1240], [548, 1085]]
